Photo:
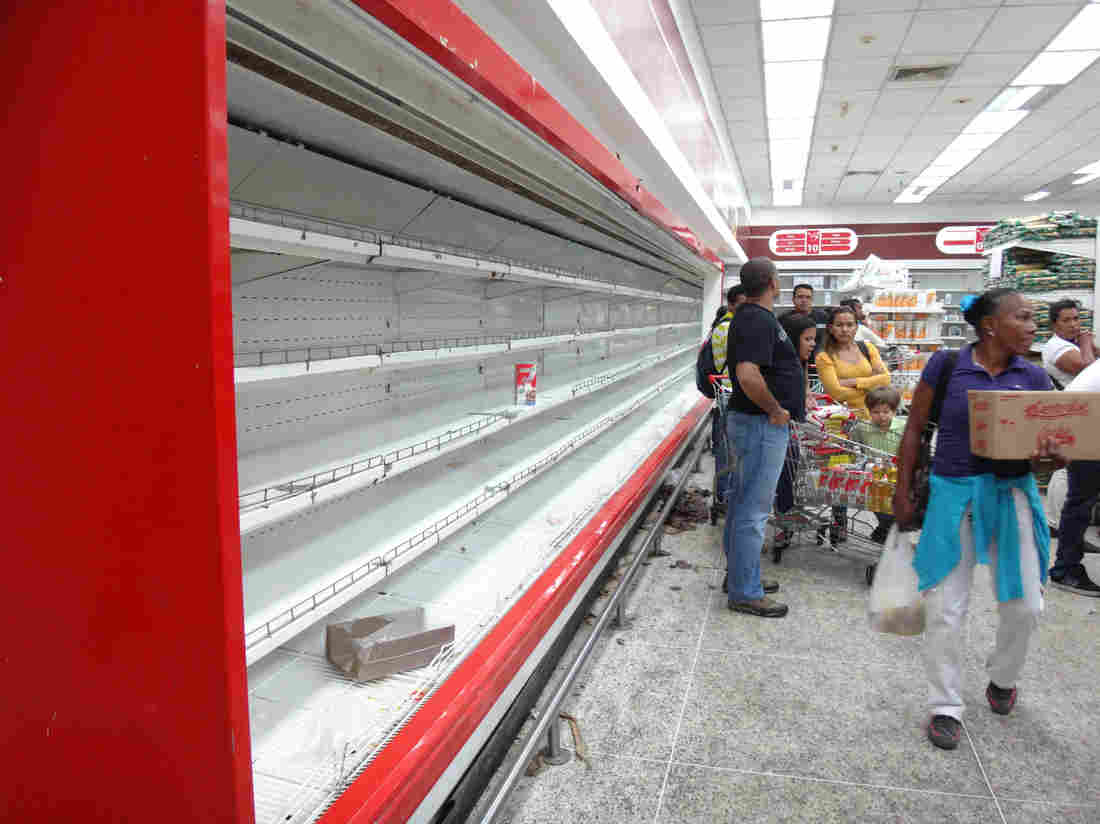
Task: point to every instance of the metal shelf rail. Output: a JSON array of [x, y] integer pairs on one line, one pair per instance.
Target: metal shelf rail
[[264, 636], [392, 461]]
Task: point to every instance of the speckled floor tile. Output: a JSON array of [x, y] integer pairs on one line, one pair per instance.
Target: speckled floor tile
[[613, 791], [1043, 767], [1017, 812], [700, 795]]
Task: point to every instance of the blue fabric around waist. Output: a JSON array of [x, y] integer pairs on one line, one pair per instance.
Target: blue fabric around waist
[[994, 511]]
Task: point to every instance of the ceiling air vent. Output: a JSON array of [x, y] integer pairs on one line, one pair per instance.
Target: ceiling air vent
[[922, 74], [857, 172]]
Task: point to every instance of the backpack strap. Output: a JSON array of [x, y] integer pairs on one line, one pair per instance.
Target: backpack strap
[[866, 352], [941, 387]]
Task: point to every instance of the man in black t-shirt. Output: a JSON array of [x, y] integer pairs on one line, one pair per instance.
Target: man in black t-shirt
[[768, 389]]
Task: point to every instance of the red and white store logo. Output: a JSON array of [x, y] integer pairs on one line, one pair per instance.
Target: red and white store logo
[[962, 240], [812, 242]]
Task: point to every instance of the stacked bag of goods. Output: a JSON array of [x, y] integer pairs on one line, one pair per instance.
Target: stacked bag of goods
[[1073, 272], [1051, 226], [1042, 321]]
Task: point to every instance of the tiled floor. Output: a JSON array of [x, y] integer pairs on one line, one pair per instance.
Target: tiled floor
[[697, 714]]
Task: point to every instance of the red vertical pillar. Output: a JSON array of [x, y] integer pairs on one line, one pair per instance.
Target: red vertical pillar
[[122, 665]]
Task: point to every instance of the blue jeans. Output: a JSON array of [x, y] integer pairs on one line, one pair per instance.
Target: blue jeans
[[721, 456], [1084, 486], [760, 448]]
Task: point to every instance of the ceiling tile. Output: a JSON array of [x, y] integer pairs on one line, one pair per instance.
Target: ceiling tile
[[885, 30], [957, 4], [858, 6], [894, 124], [865, 161], [854, 189], [941, 124], [1023, 28], [909, 102], [963, 100], [747, 130], [989, 69], [947, 30], [822, 150], [856, 75], [743, 108], [734, 45], [711, 12]]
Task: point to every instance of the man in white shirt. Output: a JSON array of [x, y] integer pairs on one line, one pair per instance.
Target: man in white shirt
[[1069, 349], [863, 331]]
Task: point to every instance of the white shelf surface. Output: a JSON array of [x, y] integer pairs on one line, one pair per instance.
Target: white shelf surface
[[280, 482], [907, 342], [307, 565], [311, 726], [377, 363], [1081, 247]]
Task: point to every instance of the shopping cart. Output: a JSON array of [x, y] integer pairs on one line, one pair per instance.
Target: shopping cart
[[831, 471]]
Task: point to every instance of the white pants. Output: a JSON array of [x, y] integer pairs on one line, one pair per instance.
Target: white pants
[[946, 607]]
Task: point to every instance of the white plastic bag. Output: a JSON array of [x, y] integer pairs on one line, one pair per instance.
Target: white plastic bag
[[896, 605]]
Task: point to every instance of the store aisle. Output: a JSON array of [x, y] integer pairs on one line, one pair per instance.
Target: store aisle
[[697, 714]]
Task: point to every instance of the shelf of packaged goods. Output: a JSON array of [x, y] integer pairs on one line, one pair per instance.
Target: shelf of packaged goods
[[1085, 297], [929, 342], [282, 482], [909, 310], [289, 363], [1079, 247], [313, 728], [301, 568]]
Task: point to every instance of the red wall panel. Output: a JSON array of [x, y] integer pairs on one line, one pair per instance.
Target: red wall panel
[[123, 663]]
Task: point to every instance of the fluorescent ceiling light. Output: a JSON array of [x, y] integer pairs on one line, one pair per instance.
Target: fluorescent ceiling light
[[994, 122], [787, 153], [791, 9], [1082, 32], [796, 39], [1055, 68], [908, 197], [1013, 98], [791, 89], [787, 197], [1081, 181], [580, 19], [970, 142], [801, 127], [1036, 196], [1092, 168]]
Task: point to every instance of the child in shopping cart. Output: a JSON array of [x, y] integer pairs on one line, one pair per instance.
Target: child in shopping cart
[[883, 434]]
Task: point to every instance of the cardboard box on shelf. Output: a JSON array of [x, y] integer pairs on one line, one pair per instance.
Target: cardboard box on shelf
[[381, 645], [1009, 425]]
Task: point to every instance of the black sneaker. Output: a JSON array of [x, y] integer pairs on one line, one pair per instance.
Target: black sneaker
[[1001, 701], [1078, 583], [945, 732], [770, 587]]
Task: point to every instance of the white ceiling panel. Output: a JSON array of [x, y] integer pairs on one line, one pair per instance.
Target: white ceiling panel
[[869, 160], [958, 4], [899, 125], [710, 12], [741, 107], [741, 130], [860, 36], [1023, 28], [963, 100], [854, 189], [989, 69], [856, 75], [941, 124], [867, 6], [946, 30], [734, 45], [907, 102]]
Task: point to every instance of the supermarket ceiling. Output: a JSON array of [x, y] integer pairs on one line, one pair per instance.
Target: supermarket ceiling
[[866, 138]]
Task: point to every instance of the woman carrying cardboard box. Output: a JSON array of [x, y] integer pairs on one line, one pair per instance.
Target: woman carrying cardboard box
[[979, 510]]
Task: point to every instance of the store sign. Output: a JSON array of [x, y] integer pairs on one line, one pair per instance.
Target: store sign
[[962, 240], [812, 242]]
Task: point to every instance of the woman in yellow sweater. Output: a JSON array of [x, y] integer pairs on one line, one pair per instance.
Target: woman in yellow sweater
[[847, 375], [845, 372]]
